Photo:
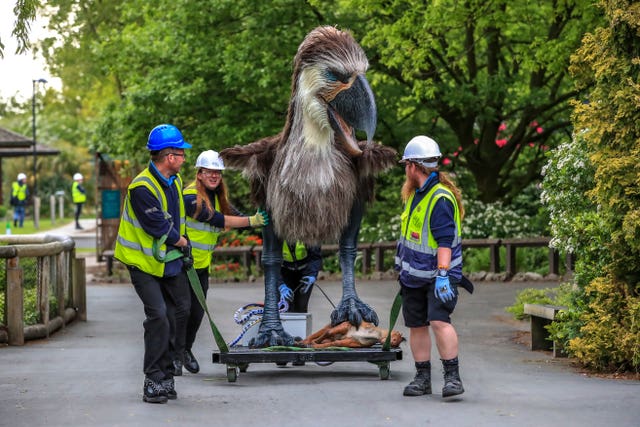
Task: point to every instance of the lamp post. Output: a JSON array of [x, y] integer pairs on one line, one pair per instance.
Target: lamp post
[[35, 153], [33, 127]]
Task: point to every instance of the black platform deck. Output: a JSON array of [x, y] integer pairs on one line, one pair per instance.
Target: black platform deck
[[239, 358]]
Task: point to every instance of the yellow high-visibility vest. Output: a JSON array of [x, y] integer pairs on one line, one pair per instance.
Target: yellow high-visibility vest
[[203, 236], [133, 245]]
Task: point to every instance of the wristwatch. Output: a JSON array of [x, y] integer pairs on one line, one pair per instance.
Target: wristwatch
[[443, 273]]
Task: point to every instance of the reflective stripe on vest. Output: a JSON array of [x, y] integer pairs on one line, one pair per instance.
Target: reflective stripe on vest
[[77, 195], [416, 255], [133, 244], [300, 252], [202, 235]]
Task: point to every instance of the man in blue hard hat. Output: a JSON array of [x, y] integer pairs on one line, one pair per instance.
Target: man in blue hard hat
[[151, 242]]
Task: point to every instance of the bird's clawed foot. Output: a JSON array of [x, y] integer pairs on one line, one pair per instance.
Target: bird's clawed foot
[[272, 336], [354, 311]]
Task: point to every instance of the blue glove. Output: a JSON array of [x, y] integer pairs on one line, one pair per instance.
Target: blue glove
[[285, 292], [442, 289], [306, 282]]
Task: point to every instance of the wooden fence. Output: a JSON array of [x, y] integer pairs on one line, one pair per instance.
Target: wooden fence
[[249, 256], [58, 271]]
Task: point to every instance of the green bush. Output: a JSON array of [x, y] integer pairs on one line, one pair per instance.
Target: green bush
[[528, 296], [559, 295]]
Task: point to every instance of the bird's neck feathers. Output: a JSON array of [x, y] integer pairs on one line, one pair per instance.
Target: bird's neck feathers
[[310, 120]]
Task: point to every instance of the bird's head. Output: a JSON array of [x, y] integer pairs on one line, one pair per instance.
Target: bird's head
[[331, 95]]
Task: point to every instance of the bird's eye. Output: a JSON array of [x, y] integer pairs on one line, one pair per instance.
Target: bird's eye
[[330, 76], [334, 76]]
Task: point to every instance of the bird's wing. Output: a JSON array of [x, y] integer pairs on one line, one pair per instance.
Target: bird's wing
[[255, 161], [375, 158]]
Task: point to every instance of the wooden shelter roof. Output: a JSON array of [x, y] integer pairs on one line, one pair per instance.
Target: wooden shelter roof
[[15, 145]]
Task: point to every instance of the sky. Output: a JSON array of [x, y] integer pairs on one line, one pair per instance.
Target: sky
[[17, 72]]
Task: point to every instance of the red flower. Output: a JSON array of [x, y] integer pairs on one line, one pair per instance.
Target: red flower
[[502, 127], [446, 161], [501, 142]]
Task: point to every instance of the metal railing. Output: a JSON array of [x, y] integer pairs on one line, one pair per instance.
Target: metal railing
[[58, 274]]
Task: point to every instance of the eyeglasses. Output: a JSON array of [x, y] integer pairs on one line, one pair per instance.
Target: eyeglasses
[[176, 154], [208, 172]]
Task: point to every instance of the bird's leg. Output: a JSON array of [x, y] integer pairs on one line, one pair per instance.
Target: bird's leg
[[271, 331], [351, 308]]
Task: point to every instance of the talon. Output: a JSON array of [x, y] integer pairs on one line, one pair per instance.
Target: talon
[[354, 311]]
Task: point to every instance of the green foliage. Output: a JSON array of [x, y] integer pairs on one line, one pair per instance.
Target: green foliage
[[608, 339], [559, 295], [591, 188], [31, 313], [25, 12], [576, 226], [220, 70], [529, 260], [472, 73], [528, 296]]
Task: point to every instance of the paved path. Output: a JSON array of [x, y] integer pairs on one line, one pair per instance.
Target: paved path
[[85, 238], [89, 374]]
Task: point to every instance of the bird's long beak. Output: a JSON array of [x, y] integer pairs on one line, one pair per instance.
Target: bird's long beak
[[354, 108]]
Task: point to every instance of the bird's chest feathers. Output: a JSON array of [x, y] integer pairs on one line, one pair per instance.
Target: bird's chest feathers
[[311, 192]]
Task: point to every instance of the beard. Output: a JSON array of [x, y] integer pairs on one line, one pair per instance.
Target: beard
[[408, 188]]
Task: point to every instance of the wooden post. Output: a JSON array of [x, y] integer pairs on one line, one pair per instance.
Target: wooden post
[[258, 261], [379, 258], [79, 285], [43, 278], [510, 260], [366, 260], [246, 263], [14, 302], [494, 257], [60, 283], [554, 260]]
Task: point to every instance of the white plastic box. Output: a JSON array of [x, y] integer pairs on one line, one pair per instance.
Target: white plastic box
[[295, 324]]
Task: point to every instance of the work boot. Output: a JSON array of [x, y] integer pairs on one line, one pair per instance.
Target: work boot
[[153, 391], [190, 362], [170, 387], [421, 384], [177, 368], [452, 381]]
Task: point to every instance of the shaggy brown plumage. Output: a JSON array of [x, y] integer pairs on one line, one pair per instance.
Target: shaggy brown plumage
[[310, 175]]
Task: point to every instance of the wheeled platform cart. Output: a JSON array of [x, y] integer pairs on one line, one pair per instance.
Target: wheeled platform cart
[[239, 358]]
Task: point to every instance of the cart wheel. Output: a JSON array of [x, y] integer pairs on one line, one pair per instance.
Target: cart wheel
[[232, 374], [243, 367], [384, 371]]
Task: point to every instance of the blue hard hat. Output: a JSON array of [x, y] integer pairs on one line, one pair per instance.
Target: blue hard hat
[[166, 136]]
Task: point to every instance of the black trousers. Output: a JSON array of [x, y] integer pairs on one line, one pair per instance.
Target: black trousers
[[78, 212], [166, 307], [197, 312], [300, 301]]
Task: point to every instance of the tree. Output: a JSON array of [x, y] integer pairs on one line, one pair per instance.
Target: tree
[[25, 12], [603, 228], [487, 79], [494, 72]]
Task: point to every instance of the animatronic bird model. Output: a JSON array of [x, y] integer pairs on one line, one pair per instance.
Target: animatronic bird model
[[314, 177]]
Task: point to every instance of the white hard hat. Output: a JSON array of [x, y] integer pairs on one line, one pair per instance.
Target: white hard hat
[[77, 176], [423, 150], [210, 160], [21, 176]]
